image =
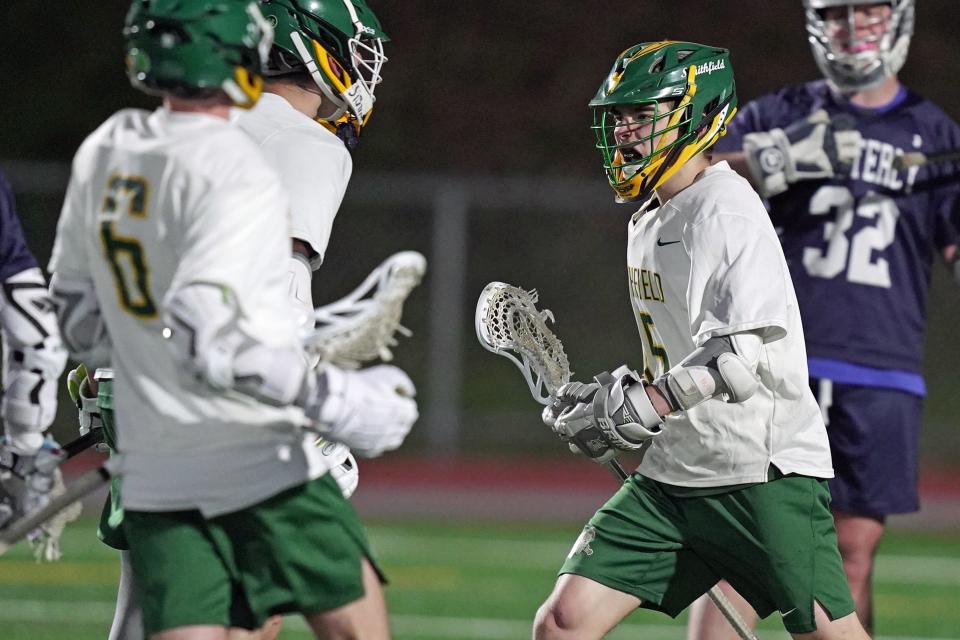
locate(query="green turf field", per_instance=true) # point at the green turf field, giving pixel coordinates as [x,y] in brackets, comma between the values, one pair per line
[462,582]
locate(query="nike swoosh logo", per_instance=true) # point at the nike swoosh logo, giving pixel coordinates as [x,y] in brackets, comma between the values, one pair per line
[788,612]
[661,243]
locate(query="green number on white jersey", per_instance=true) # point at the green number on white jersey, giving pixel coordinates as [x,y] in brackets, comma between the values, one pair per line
[125,254]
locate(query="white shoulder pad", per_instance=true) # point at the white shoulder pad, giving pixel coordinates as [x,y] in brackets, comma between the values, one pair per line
[81,324]
[27,313]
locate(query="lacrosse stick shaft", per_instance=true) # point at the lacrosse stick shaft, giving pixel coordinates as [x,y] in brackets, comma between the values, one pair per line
[916,158]
[83,486]
[84,442]
[78,446]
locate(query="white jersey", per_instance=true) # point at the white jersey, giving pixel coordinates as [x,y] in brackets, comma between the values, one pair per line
[156,201]
[313,164]
[708,263]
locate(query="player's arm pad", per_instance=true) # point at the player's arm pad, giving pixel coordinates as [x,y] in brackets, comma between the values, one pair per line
[81,324]
[725,366]
[202,325]
[33,359]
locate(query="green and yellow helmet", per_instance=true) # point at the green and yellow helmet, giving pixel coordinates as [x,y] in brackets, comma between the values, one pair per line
[191,49]
[697,79]
[340,44]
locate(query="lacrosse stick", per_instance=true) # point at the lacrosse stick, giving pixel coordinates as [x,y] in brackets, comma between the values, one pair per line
[360,327]
[89,439]
[349,332]
[917,158]
[510,325]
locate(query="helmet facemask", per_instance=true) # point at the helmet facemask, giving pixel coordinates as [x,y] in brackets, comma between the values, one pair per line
[636,178]
[629,171]
[851,62]
[349,85]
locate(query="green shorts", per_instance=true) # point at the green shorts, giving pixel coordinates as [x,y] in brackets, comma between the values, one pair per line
[110,530]
[299,551]
[774,542]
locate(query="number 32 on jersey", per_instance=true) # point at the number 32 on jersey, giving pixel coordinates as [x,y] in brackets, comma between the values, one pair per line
[127,195]
[855,254]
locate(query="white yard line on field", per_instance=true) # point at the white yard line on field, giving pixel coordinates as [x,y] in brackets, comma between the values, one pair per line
[403,548]
[93,612]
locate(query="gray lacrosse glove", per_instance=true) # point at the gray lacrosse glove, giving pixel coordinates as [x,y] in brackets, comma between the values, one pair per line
[27,480]
[809,149]
[618,417]
[568,395]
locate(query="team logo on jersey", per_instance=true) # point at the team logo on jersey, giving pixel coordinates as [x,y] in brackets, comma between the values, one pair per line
[709,67]
[771,160]
[327,448]
[582,545]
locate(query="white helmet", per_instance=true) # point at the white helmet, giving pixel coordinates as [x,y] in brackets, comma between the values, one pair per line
[851,63]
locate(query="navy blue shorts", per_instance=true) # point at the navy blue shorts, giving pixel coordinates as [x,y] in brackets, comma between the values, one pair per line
[874,436]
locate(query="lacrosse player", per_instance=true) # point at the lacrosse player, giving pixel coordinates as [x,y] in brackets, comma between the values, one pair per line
[304,122]
[321,76]
[860,237]
[33,359]
[732,483]
[170,264]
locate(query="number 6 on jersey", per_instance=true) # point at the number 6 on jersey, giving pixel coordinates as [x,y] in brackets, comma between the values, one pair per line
[125,253]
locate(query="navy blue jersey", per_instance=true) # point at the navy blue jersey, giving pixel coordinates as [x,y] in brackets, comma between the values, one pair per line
[860,249]
[14,254]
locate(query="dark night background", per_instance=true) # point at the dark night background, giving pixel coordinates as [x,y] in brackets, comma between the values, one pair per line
[477,88]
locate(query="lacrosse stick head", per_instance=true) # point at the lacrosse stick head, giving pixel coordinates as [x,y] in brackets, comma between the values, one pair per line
[509,324]
[362,326]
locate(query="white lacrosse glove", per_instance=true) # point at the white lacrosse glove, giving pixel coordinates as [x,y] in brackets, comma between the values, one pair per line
[616,414]
[370,410]
[45,540]
[809,149]
[343,467]
[28,481]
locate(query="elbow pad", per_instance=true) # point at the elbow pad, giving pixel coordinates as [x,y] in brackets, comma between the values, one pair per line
[33,358]
[725,366]
[300,293]
[202,325]
[301,299]
[81,325]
